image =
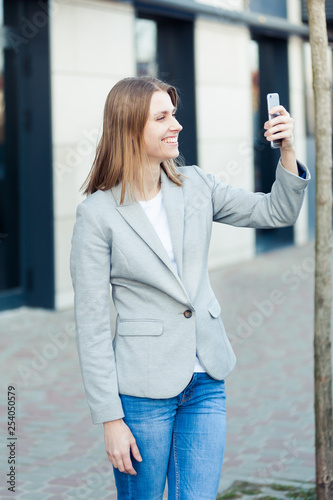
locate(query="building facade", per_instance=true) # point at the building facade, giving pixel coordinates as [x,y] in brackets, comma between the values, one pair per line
[60,58]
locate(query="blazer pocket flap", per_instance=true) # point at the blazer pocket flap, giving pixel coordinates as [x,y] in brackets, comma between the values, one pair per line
[140,328]
[214,308]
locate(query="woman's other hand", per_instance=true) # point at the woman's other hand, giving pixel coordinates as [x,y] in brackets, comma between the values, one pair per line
[119,443]
[280,127]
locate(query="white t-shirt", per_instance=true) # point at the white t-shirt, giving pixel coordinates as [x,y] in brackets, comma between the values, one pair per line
[156,213]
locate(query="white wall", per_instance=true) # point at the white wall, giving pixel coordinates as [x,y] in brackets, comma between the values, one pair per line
[224,123]
[92,47]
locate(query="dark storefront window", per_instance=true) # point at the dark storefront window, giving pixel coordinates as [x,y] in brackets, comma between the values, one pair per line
[10,265]
[269,70]
[26,192]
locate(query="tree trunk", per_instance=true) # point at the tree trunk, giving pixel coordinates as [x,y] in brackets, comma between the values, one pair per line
[323,298]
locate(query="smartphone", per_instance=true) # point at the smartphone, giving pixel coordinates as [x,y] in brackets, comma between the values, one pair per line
[273,100]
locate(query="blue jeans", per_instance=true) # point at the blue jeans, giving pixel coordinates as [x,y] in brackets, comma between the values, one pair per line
[181,439]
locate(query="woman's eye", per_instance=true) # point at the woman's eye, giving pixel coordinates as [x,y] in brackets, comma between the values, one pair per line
[160,118]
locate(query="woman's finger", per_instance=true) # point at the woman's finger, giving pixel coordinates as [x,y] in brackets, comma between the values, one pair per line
[278,128]
[123,464]
[120,465]
[128,467]
[135,451]
[278,109]
[279,135]
[277,120]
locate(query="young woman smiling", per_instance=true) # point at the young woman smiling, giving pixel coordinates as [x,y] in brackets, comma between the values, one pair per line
[157,384]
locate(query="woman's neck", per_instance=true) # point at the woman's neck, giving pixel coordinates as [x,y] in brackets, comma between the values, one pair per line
[152,184]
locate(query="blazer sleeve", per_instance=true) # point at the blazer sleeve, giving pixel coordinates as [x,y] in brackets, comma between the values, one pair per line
[279,208]
[90,272]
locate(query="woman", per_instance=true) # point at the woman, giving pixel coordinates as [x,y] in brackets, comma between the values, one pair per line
[158,387]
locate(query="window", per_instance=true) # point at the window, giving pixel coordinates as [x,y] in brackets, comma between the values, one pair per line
[146,47]
[272,7]
[165,49]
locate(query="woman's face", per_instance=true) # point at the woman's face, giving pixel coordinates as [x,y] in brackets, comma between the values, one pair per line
[161,130]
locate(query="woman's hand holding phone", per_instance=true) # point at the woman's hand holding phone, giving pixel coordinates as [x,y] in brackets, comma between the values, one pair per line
[280,125]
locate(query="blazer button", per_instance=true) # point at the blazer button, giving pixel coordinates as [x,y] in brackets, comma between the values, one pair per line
[188,313]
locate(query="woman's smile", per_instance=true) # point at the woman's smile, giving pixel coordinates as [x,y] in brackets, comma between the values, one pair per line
[171,140]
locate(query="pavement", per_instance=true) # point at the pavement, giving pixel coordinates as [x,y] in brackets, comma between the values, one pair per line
[267,308]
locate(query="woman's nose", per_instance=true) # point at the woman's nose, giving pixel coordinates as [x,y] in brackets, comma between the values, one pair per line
[176,125]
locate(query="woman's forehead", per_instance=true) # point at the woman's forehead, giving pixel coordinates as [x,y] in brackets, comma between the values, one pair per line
[160,102]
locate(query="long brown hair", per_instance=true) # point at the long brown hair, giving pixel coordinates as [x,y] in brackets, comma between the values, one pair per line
[120,154]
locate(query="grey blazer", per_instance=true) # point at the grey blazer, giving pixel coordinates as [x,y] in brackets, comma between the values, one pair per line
[163,319]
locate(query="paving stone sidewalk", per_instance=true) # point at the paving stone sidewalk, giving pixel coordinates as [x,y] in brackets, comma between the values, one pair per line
[267,308]
[275,491]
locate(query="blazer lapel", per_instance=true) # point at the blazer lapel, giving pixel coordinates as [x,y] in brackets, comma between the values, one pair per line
[174,205]
[136,217]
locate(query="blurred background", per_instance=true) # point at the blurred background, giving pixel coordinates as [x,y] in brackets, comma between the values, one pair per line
[58,61]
